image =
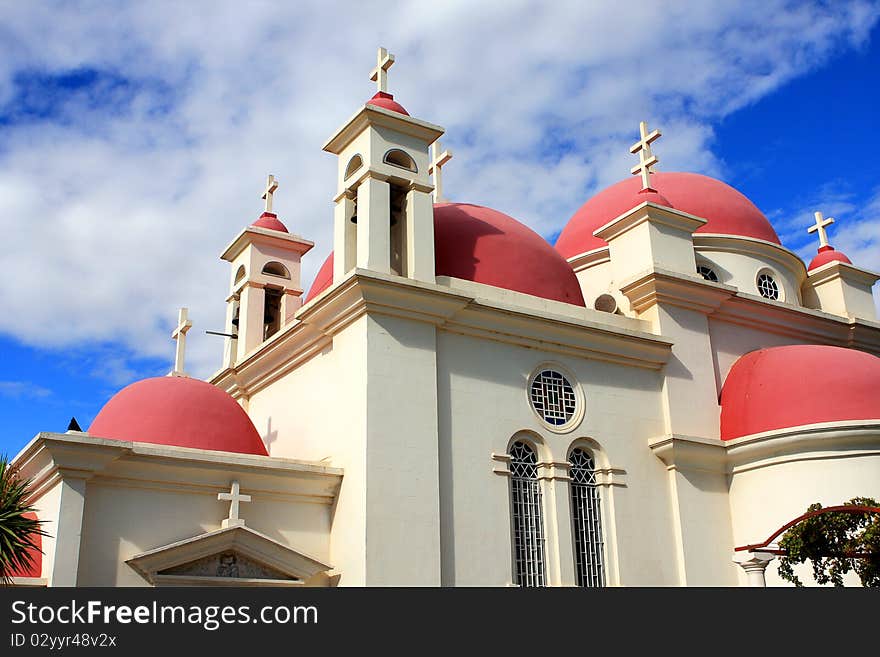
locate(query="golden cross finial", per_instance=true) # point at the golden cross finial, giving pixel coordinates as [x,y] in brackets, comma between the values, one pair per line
[379,75]
[271,186]
[179,335]
[438,159]
[820,225]
[647,159]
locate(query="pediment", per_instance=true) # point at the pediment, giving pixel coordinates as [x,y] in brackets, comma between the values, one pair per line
[232,556]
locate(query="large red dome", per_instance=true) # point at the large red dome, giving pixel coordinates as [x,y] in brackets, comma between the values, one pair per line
[726,210]
[180,411]
[795,385]
[479,244]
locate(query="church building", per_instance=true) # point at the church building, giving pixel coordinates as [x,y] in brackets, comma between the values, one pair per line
[454,401]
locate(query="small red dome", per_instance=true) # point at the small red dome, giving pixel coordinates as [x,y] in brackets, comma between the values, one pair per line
[726,210]
[270,220]
[180,411]
[827,254]
[386,101]
[35,569]
[479,244]
[795,385]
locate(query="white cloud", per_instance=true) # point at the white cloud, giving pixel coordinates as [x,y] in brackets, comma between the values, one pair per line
[116,208]
[23,390]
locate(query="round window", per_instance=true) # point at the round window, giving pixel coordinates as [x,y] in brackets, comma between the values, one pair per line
[767,286]
[553,398]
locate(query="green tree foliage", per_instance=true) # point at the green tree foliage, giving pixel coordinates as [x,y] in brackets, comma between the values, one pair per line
[18,533]
[829,540]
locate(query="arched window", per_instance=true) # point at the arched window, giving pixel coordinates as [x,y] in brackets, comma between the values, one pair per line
[528,524]
[354,164]
[399,158]
[276,269]
[239,275]
[586,519]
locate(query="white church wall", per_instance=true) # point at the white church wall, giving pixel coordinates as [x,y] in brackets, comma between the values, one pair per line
[48,505]
[732,341]
[122,520]
[764,498]
[484,403]
[317,412]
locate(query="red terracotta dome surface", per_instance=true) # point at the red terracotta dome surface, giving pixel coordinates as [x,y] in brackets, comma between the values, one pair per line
[479,244]
[35,569]
[795,385]
[827,254]
[726,210]
[386,101]
[180,411]
[270,220]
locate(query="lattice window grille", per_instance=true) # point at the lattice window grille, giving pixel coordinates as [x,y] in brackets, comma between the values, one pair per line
[528,525]
[708,273]
[553,397]
[586,520]
[767,287]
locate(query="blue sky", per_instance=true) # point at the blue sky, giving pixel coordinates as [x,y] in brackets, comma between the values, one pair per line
[135,141]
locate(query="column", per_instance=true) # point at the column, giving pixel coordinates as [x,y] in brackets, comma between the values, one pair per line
[420,236]
[344,236]
[754,563]
[68,532]
[250,318]
[374,226]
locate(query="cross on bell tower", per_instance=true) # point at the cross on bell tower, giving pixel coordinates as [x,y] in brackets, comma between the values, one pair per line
[819,226]
[179,336]
[384,61]
[438,159]
[647,159]
[268,195]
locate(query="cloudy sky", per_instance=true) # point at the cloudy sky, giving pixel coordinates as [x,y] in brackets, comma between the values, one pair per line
[135,139]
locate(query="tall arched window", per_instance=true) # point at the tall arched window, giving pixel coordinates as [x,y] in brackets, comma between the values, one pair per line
[528,524]
[586,519]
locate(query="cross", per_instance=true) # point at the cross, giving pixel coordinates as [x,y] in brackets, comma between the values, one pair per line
[179,335]
[234,497]
[820,226]
[379,75]
[271,186]
[646,158]
[438,159]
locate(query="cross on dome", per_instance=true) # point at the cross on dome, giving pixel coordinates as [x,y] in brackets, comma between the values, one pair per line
[820,226]
[179,335]
[271,186]
[647,159]
[438,159]
[234,497]
[379,75]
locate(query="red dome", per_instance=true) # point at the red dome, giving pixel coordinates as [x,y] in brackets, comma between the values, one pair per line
[790,386]
[726,210]
[270,220]
[486,246]
[35,569]
[386,101]
[178,410]
[827,254]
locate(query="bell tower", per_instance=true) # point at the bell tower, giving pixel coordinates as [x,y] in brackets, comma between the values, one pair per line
[384,214]
[264,288]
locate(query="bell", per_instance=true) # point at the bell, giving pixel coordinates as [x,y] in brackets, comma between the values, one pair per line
[235,318]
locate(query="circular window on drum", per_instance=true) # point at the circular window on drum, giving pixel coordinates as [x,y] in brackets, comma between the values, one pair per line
[555,400]
[767,286]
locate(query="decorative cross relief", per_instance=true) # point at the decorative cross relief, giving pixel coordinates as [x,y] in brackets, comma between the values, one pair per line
[179,335]
[271,186]
[234,497]
[379,75]
[820,226]
[438,159]
[647,159]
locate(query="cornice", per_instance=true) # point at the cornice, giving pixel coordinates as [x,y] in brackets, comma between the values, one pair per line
[379,116]
[681,290]
[841,439]
[590,258]
[258,235]
[364,292]
[648,211]
[836,269]
[51,457]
